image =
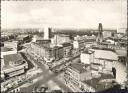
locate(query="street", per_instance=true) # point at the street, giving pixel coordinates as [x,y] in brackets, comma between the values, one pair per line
[47,75]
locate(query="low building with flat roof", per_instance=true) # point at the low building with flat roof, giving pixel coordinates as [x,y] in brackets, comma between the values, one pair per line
[14,64]
[107,59]
[7,51]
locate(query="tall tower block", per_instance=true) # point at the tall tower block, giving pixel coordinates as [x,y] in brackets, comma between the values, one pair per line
[99,38]
[47,33]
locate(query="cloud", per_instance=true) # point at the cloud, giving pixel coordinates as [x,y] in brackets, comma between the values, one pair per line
[40,13]
[86,15]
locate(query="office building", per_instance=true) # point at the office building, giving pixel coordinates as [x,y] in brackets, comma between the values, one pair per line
[47,33]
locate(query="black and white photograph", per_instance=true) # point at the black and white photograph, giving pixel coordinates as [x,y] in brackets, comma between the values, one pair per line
[61,46]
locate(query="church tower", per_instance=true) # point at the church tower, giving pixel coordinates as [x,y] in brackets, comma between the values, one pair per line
[99,38]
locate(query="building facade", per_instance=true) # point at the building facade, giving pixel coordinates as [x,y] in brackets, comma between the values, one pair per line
[76,73]
[106,58]
[80,77]
[87,57]
[47,52]
[67,49]
[47,33]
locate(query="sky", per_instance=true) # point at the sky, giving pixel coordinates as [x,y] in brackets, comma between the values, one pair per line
[67,14]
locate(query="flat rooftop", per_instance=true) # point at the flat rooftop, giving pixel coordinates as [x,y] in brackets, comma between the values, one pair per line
[104,54]
[80,67]
[15,59]
[99,84]
[5,49]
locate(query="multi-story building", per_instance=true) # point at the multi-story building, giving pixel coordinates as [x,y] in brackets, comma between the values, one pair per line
[59,39]
[59,53]
[67,48]
[84,41]
[76,73]
[79,78]
[53,53]
[92,70]
[79,44]
[46,51]
[87,57]
[105,58]
[47,33]
[14,64]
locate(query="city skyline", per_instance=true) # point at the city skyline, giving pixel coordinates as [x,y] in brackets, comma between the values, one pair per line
[64,14]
